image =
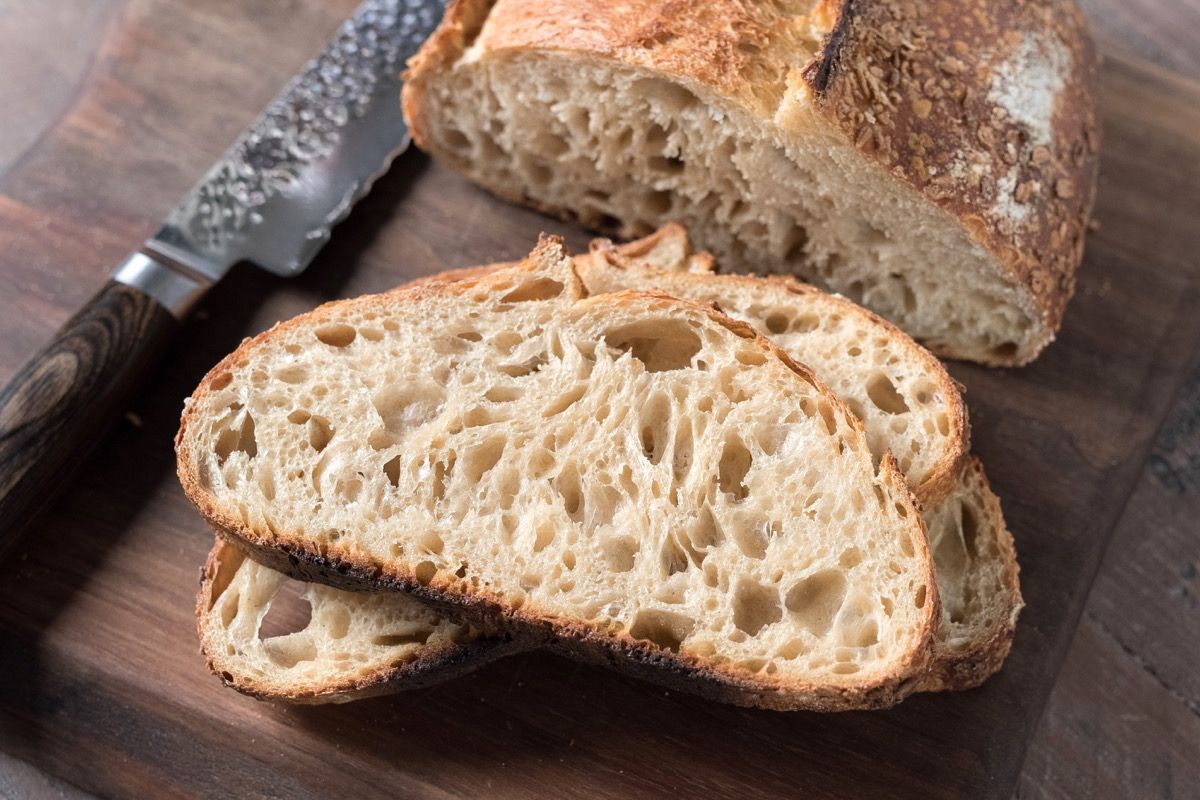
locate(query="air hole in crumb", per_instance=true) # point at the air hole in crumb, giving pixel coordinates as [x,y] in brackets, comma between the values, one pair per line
[336,334]
[502,394]
[407,406]
[620,553]
[755,606]
[543,535]
[806,323]
[751,358]
[288,612]
[666,165]
[566,400]
[229,608]
[430,542]
[392,470]
[266,484]
[660,345]
[1005,351]
[528,367]
[221,381]
[237,438]
[777,323]
[826,411]
[480,459]
[537,289]
[792,649]
[865,635]
[550,144]
[319,433]
[751,539]
[673,558]
[663,628]
[298,417]
[883,394]
[815,600]
[456,139]
[970,530]
[293,374]
[336,620]
[919,600]
[731,472]
[655,421]
[569,488]
[424,572]
[657,203]
[400,639]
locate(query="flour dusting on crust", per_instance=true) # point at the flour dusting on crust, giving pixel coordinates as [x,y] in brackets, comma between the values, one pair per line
[1027,84]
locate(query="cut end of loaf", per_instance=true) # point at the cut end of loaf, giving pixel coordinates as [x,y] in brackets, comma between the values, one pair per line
[711,122]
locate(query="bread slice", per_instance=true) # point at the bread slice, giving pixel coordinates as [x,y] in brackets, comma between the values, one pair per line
[977,577]
[353,644]
[364,644]
[935,163]
[631,478]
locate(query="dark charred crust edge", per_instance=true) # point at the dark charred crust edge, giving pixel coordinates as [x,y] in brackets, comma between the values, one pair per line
[820,72]
[577,641]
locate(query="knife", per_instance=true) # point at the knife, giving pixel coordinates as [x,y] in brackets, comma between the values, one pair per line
[272,199]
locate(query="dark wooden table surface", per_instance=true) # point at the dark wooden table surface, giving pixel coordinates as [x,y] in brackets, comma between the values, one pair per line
[109,109]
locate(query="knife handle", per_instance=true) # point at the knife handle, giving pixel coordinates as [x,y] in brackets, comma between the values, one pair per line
[62,402]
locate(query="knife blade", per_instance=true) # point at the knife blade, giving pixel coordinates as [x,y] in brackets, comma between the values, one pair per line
[271,199]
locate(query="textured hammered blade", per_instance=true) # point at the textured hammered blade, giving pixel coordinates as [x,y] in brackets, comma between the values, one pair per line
[315,150]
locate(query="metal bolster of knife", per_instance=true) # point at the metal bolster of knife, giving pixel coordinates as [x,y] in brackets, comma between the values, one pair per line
[175,287]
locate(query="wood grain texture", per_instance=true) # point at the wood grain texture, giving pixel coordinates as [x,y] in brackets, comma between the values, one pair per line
[1124,718]
[106,685]
[67,396]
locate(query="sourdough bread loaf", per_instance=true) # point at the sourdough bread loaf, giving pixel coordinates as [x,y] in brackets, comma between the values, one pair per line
[934,162]
[631,478]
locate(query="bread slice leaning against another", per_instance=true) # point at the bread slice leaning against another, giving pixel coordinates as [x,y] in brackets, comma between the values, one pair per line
[935,162]
[633,479]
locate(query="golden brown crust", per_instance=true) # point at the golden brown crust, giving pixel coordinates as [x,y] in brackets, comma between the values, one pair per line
[943,96]
[431,664]
[494,614]
[933,93]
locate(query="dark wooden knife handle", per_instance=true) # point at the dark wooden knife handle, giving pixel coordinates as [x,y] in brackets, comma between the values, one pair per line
[63,401]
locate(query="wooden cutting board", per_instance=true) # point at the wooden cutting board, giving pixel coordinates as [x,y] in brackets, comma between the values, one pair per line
[104,689]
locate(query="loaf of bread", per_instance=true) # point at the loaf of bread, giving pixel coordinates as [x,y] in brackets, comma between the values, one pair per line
[934,162]
[359,651]
[630,478]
